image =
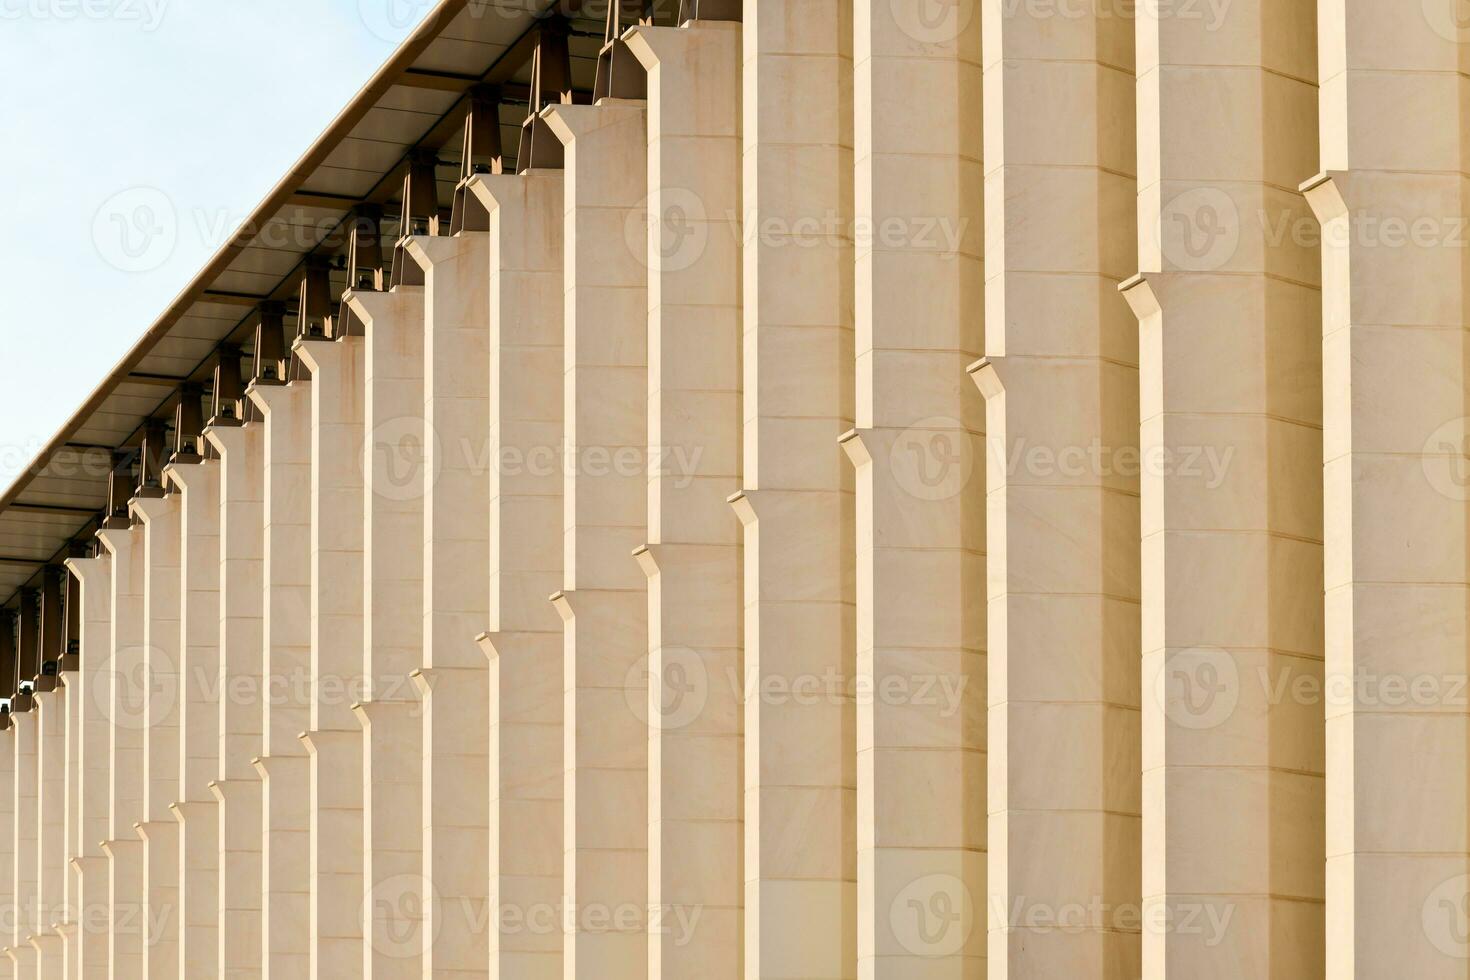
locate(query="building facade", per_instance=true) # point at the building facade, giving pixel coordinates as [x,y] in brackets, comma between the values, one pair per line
[879,489]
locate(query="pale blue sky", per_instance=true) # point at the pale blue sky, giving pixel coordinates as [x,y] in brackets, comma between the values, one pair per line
[207,101]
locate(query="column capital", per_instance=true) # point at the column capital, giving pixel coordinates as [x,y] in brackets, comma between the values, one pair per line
[118,541]
[569,122]
[323,354]
[370,307]
[89,571]
[428,251]
[150,509]
[269,397]
[187,475]
[227,437]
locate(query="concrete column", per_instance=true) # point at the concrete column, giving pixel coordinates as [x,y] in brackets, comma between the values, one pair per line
[9,907]
[126,706]
[197,811]
[693,553]
[286,682]
[397,898]
[920,505]
[51,824]
[71,848]
[604,598]
[335,739]
[241,631]
[796,504]
[1232,776]
[25,843]
[456,549]
[523,641]
[25,728]
[91,682]
[1061,387]
[1392,201]
[159,694]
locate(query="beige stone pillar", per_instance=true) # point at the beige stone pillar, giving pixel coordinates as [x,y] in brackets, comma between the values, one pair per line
[197,810]
[126,706]
[454,475]
[396,900]
[796,504]
[335,739]
[50,823]
[920,505]
[25,844]
[1392,200]
[1232,773]
[603,601]
[71,847]
[523,641]
[286,681]
[1061,389]
[9,908]
[237,789]
[693,553]
[158,692]
[89,867]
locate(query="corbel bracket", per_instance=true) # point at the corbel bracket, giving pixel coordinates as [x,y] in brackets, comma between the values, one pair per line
[551,82]
[482,154]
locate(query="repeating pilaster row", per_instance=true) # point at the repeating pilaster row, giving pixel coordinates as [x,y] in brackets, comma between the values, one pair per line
[367,539]
[603,602]
[1060,379]
[1395,377]
[796,504]
[1232,550]
[523,641]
